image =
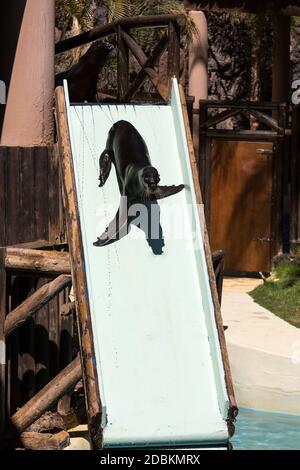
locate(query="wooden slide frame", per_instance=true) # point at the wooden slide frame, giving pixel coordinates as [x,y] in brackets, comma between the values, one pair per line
[89,371]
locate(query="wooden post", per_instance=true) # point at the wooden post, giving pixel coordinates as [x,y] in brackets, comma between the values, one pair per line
[281,58]
[123,66]
[90,378]
[202,117]
[47,397]
[174,50]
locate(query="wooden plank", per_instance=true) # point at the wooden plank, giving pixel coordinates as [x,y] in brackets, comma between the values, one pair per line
[93,401]
[35,302]
[27,356]
[47,397]
[123,66]
[26,361]
[54,333]
[3,157]
[54,188]
[41,205]
[13,216]
[151,62]
[14,369]
[27,194]
[41,351]
[148,21]
[66,334]
[37,261]
[219,323]
[3,306]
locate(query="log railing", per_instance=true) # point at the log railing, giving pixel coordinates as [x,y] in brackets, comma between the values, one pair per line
[40,263]
[126,44]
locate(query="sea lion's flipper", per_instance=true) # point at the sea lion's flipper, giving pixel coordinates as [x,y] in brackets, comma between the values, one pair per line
[117,228]
[104,166]
[164,191]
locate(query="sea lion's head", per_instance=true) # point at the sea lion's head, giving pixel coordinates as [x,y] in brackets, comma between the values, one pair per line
[150,177]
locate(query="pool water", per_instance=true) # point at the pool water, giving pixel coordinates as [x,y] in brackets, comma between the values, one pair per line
[263,430]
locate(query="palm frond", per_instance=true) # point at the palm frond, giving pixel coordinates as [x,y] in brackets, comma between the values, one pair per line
[117,9]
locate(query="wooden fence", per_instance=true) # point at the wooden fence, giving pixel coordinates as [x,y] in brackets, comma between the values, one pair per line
[30,207]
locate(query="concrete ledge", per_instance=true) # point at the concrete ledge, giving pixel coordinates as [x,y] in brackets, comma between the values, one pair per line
[264,353]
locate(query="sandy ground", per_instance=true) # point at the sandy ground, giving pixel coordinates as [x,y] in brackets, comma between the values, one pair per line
[240,284]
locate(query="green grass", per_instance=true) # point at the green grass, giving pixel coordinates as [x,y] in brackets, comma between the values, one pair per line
[281,297]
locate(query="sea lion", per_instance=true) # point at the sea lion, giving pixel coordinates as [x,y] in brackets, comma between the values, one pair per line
[138,180]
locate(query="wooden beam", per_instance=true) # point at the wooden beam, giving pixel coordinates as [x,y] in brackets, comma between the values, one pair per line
[47,397]
[35,302]
[174,50]
[214,120]
[218,318]
[123,65]
[37,261]
[141,57]
[242,105]
[111,28]
[151,61]
[267,120]
[90,377]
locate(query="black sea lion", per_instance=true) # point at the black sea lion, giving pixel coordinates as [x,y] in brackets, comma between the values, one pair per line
[138,180]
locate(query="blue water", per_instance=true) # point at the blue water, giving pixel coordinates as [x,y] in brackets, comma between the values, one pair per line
[263,430]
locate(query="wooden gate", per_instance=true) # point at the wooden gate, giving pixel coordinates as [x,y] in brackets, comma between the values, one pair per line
[240,218]
[242,176]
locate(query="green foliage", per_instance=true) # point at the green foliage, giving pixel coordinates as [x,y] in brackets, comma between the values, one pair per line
[82,10]
[288,272]
[282,296]
[283,301]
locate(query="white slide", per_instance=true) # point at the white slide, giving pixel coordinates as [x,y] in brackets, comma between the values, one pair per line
[160,370]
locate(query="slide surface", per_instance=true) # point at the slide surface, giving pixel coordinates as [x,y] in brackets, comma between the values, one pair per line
[160,371]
